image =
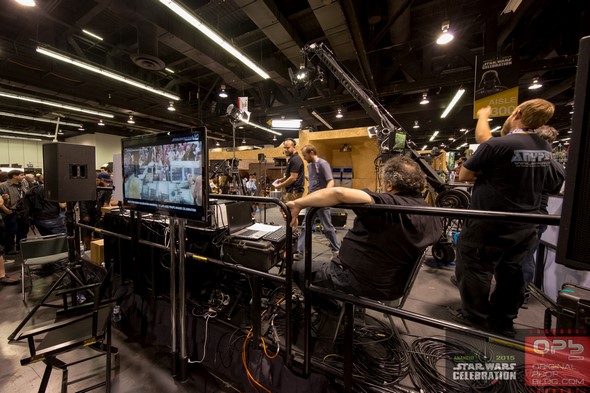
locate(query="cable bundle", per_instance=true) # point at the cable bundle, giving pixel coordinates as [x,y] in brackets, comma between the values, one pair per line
[425,360]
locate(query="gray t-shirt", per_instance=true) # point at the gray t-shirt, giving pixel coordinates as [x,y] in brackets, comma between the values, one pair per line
[319,173]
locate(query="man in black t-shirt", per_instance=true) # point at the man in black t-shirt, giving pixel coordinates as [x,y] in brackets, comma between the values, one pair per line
[294,178]
[510,174]
[377,254]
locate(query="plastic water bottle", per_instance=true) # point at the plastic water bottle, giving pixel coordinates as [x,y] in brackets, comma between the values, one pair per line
[452,177]
[116,313]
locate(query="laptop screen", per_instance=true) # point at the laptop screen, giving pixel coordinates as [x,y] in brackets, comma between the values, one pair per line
[239,215]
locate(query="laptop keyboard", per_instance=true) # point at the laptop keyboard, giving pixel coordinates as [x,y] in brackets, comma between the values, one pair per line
[276,236]
[248,232]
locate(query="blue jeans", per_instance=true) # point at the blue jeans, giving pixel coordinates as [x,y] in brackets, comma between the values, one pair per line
[329,231]
[52,226]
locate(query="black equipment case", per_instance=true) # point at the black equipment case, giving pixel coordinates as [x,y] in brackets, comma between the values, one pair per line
[574,307]
[255,254]
[339,217]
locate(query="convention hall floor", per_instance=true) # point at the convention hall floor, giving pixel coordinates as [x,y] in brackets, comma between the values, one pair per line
[146,369]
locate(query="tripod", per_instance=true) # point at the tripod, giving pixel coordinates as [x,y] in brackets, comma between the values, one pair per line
[72,265]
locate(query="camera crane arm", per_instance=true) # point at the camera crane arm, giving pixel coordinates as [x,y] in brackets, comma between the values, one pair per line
[388,125]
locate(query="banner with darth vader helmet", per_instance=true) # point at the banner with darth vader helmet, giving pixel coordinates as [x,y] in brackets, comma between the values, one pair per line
[496,84]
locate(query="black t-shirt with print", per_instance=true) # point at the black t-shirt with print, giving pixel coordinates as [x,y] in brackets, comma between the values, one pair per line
[381,247]
[512,172]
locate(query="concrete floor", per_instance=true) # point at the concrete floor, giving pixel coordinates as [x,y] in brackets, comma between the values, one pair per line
[146,369]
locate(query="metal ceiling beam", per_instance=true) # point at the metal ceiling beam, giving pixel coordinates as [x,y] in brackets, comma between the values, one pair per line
[333,22]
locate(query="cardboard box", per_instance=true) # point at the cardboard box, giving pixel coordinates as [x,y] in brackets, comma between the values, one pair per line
[97,251]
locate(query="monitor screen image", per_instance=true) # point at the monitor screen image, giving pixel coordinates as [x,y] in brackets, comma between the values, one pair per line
[163,173]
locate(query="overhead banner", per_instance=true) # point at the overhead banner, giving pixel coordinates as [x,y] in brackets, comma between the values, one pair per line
[496,84]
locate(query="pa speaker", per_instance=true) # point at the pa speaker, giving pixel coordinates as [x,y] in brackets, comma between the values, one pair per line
[573,247]
[69,172]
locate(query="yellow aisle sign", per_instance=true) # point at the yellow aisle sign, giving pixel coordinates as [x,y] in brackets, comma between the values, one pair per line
[502,103]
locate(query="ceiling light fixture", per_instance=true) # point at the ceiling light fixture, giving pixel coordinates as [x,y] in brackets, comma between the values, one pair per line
[434,134]
[100,123]
[286,124]
[39,119]
[453,102]
[54,104]
[194,21]
[130,120]
[244,116]
[416,124]
[424,147]
[446,36]
[22,138]
[497,128]
[105,72]
[244,141]
[302,73]
[321,119]
[536,84]
[27,3]
[452,139]
[169,70]
[81,129]
[91,34]
[217,144]
[274,138]
[424,99]
[25,133]
[222,92]
[339,114]
[171,107]
[465,144]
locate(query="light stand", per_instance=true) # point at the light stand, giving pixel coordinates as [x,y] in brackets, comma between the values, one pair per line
[262,159]
[73,258]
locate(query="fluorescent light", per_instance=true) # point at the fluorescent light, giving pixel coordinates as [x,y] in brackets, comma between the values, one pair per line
[215,138]
[190,18]
[497,128]
[39,119]
[105,72]
[321,119]
[452,139]
[291,124]
[25,133]
[452,103]
[91,34]
[28,3]
[465,144]
[433,136]
[424,147]
[22,138]
[169,70]
[54,104]
[511,6]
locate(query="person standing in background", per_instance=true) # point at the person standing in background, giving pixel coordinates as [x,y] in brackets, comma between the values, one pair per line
[12,194]
[294,178]
[319,173]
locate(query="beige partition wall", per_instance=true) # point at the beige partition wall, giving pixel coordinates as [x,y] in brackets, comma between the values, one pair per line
[359,154]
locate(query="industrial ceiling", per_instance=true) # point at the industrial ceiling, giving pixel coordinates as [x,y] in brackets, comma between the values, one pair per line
[389,46]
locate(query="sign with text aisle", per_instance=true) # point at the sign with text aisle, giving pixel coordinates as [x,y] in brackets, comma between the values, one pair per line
[496,84]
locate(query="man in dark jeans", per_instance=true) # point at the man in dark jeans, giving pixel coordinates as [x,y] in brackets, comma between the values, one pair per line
[378,253]
[12,193]
[510,174]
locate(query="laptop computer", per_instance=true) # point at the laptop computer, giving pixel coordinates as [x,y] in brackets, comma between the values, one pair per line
[240,225]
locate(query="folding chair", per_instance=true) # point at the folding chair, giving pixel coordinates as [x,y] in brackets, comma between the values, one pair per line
[41,251]
[87,325]
[396,303]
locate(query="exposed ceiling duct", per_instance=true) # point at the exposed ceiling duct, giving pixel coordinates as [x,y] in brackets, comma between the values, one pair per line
[147,47]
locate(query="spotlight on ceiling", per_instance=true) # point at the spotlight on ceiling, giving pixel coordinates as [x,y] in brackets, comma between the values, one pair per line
[27,3]
[171,107]
[100,123]
[130,120]
[302,73]
[274,138]
[217,144]
[446,36]
[339,115]
[244,141]
[536,84]
[222,92]
[424,99]
[416,124]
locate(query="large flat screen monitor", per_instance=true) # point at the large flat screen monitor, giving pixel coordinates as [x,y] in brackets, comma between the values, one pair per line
[166,174]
